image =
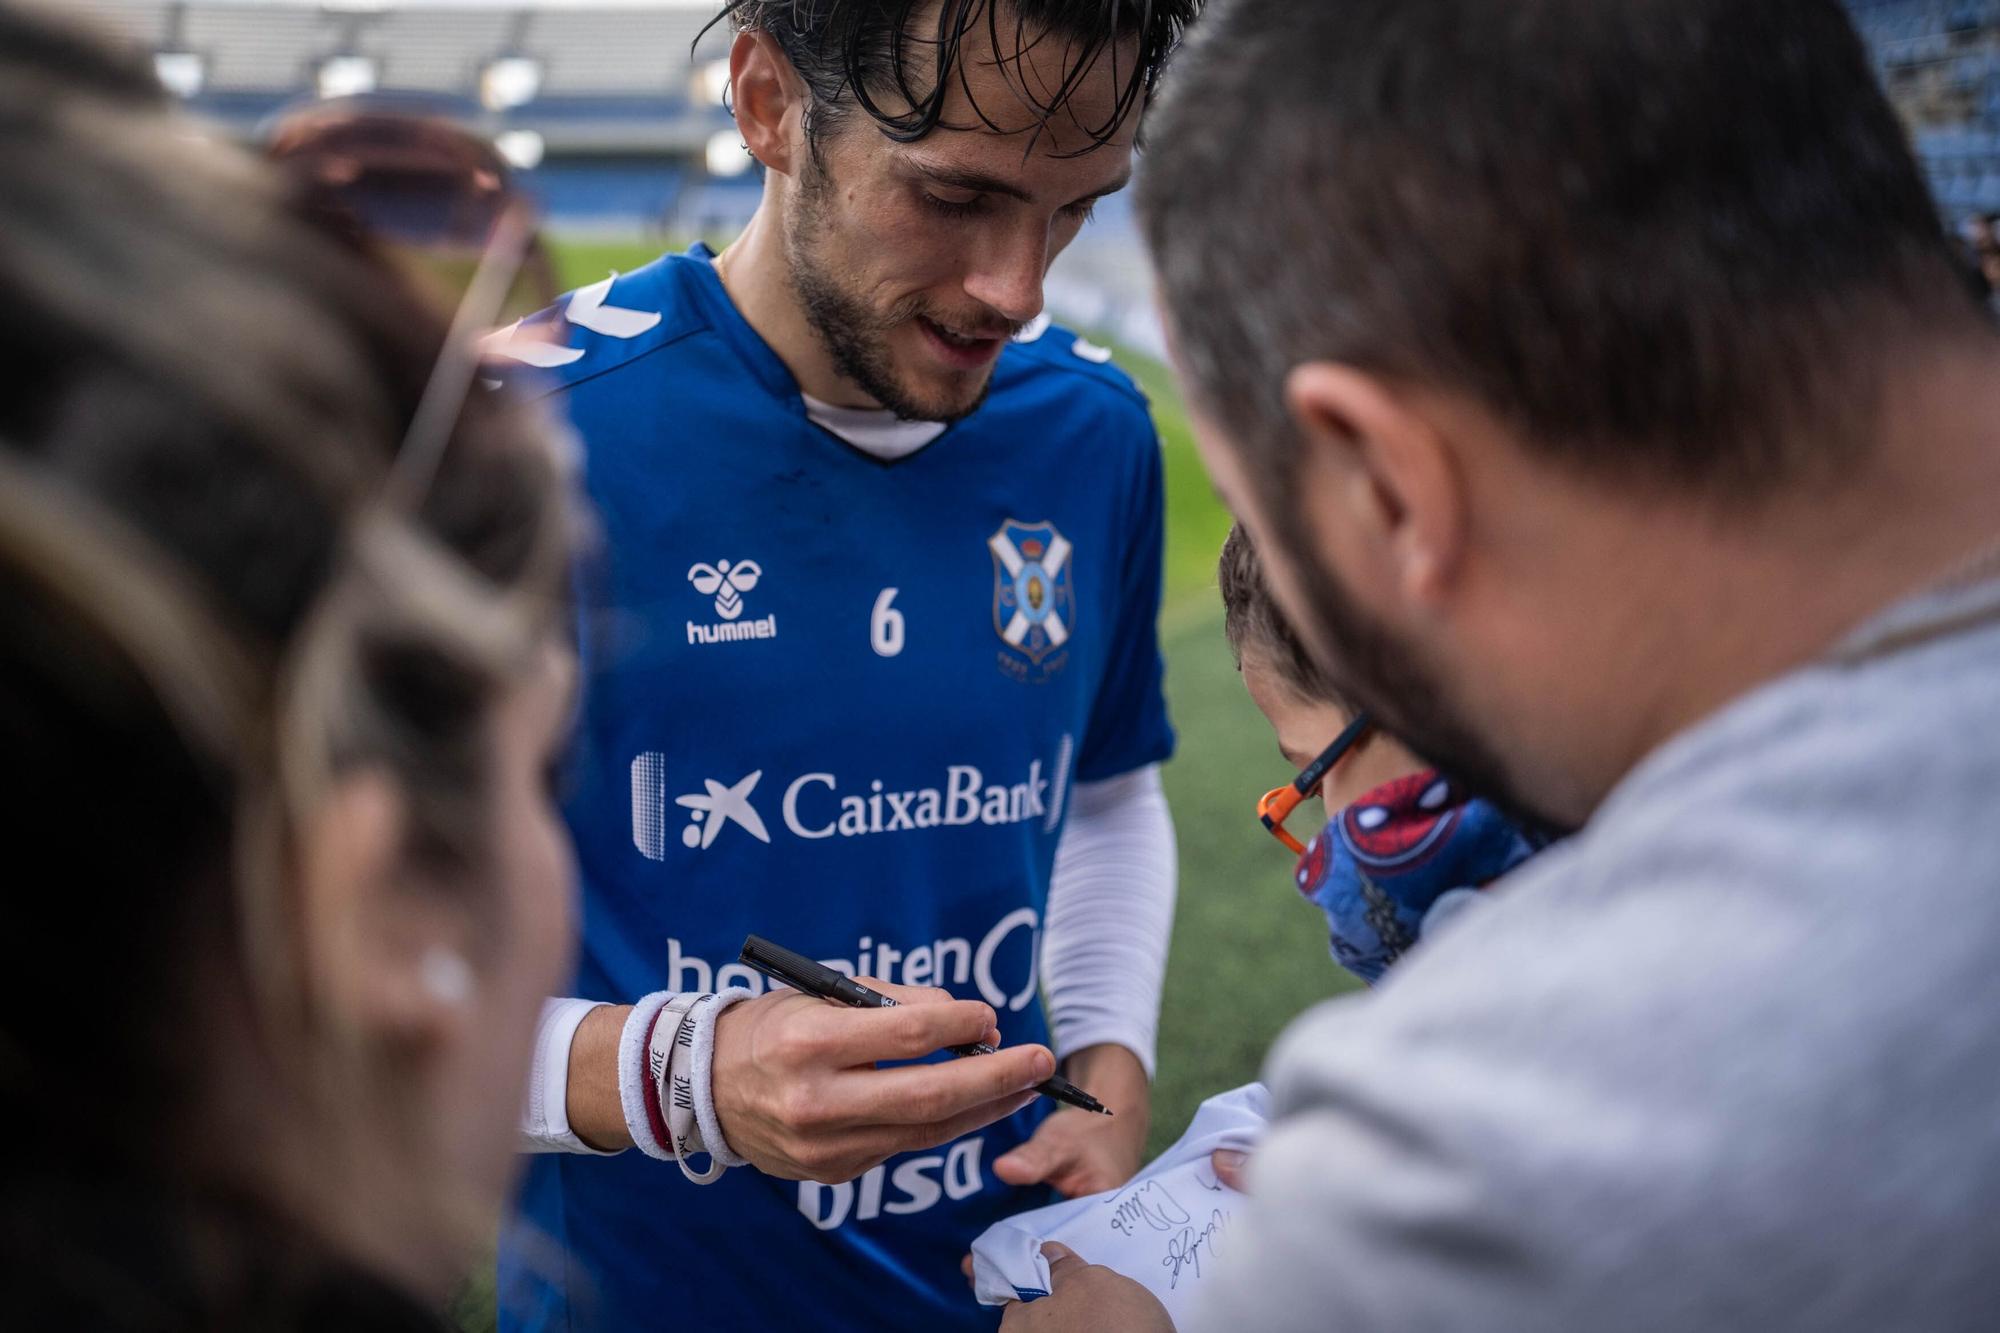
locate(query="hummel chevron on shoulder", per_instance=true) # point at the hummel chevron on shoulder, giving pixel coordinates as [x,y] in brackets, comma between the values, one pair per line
[587,310]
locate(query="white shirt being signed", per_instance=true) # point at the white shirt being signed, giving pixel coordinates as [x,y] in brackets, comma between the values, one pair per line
[1167,1228]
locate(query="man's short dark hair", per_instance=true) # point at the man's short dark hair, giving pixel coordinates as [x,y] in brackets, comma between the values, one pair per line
[1252,620]
[1665,240]
[870,53]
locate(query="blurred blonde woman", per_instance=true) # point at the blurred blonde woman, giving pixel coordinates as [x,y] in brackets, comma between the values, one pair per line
[284,885]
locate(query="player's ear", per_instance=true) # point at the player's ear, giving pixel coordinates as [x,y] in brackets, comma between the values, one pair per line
[769,100]
[1380,481]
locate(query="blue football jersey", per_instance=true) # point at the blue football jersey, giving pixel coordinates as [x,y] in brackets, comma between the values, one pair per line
[841,703]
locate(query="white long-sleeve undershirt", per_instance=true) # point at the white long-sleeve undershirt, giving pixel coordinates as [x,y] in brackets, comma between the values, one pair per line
[1110,916]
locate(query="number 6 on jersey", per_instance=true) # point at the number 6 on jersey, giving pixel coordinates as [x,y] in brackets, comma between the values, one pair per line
[885,625]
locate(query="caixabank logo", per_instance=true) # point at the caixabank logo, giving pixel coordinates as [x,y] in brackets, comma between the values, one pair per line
[819,805]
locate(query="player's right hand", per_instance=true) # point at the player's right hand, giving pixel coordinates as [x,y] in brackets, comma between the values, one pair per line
[797,1091]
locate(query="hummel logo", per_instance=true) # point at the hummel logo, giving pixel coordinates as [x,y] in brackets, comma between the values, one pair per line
[722,805]
[726,582]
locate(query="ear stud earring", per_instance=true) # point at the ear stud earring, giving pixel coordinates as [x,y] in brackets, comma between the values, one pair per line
[447,976]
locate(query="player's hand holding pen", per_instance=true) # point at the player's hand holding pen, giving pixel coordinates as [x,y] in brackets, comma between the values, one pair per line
[797,1091]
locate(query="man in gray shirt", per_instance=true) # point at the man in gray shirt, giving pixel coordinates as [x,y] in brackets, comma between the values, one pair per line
[1598,383]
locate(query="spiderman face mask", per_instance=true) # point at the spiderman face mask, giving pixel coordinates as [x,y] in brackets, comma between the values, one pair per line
[1385,863]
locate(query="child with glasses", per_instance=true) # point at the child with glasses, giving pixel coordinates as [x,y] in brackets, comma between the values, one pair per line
[1403,845]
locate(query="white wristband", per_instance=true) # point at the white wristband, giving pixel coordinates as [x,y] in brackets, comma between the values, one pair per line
[634,1074]
[666,1057]
[545,1123]
[670,1103]
[687,1089]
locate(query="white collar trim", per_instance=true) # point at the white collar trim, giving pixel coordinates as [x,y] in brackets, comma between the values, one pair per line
[875,431]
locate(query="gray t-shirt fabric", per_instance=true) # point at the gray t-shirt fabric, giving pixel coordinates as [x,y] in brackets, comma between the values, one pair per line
[1729,1058]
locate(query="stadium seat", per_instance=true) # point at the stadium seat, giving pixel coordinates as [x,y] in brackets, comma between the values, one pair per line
[616,100]
[434,50]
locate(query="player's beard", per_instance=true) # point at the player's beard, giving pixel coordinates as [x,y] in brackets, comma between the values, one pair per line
[1406,697]
[855,336]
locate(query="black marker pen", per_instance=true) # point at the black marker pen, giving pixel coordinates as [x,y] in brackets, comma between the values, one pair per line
[802,973]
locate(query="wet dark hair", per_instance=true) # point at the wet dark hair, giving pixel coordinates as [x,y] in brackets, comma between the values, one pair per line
[1251,619]
[852,52]
[1666,240]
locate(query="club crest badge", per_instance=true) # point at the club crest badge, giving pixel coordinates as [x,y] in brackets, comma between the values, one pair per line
[1034,605]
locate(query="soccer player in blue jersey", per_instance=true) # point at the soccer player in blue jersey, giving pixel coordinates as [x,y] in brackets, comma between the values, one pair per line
[871,669]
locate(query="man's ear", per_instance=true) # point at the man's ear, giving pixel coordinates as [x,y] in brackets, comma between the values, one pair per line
[769,100]
[374,942]
[1387,466]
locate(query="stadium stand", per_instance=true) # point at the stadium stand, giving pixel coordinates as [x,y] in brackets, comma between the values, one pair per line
[610,194]
[607,91]
[141,23]
[1940,61]
[617,52]
[610,89]
[433,50]
[256,50]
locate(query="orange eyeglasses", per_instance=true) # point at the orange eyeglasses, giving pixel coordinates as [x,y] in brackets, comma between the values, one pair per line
[1278,803]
